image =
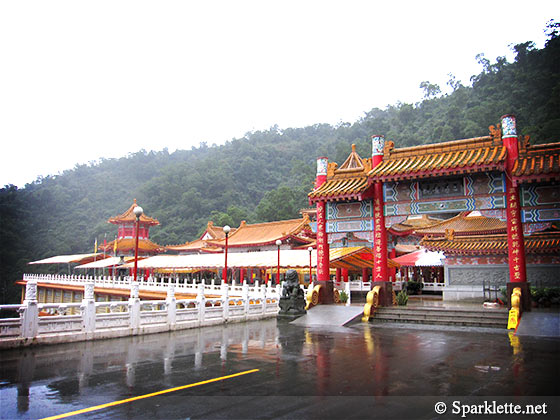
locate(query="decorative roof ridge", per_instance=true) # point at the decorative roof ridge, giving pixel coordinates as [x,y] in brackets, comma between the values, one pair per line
[495,236]
[353,163]
[538,148]
[448,146]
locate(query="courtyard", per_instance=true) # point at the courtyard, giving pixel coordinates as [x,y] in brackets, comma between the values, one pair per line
[275,369]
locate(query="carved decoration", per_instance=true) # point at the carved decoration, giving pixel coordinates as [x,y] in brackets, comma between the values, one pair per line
[89,291]
[31,291]
[496,132]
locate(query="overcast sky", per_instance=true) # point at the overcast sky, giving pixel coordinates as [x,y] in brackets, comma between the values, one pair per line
[84,80]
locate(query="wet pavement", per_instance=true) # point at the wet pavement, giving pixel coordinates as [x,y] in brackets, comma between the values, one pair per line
[357,371]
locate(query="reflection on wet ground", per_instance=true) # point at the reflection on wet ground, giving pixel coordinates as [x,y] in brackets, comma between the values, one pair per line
[302,363]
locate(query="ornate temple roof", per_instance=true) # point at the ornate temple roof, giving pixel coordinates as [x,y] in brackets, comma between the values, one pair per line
[129,216]
[344,183]
[127,245]
[259,234]
[412,223]
[491,244]
[466,223]
[212,232]
[478,154]
[537,163]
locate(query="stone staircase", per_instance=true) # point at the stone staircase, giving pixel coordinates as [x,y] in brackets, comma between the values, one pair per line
[452,316]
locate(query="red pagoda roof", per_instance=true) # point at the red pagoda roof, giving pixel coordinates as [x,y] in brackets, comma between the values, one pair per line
[129,216]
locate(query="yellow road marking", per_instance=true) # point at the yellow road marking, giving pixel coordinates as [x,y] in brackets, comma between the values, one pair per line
[153,394]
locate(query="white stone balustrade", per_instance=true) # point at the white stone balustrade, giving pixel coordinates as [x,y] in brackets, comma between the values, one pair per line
[153,284]
[88,320]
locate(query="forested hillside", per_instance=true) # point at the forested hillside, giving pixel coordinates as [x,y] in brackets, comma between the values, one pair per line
[265,175]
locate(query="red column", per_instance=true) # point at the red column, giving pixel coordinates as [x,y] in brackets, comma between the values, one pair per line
[241,275]
[516,246]
[365,275]
[338,275]
[379,231]
[345,275]
[323,273]
[393,271]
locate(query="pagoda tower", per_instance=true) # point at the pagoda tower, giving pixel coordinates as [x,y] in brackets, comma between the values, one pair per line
[125,241]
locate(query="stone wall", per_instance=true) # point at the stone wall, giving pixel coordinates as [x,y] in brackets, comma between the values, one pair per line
[466,282]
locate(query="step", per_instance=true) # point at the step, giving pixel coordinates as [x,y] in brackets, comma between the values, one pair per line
[458,323]
[479,317]
[442,313]
[446,320]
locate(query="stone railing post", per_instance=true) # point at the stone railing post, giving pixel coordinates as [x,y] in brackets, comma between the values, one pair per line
[347,290]
[134,306]
[225,301]
[30,311]
[201,302]
[263,297]
[245,297]
[171,304]
[88,308]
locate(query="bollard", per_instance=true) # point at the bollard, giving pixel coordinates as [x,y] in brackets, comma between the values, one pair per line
[88,308]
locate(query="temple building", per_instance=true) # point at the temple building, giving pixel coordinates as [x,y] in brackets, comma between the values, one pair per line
[124,244]
[512,185]
[293,234]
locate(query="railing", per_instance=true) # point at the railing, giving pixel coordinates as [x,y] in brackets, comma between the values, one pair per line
[398,285]
[156,284]
[86,320]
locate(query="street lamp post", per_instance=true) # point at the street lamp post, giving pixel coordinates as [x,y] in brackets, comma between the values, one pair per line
[137,212]
[227,229]
[310,272]
[278,243]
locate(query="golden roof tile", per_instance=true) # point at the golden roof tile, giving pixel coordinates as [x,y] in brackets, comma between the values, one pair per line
[347,182]
[468,223]
[454,157]
[265,233]
[491,244]
[537,163]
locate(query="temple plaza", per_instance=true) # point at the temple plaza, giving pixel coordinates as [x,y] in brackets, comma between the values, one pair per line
[285,371]
[426,278]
